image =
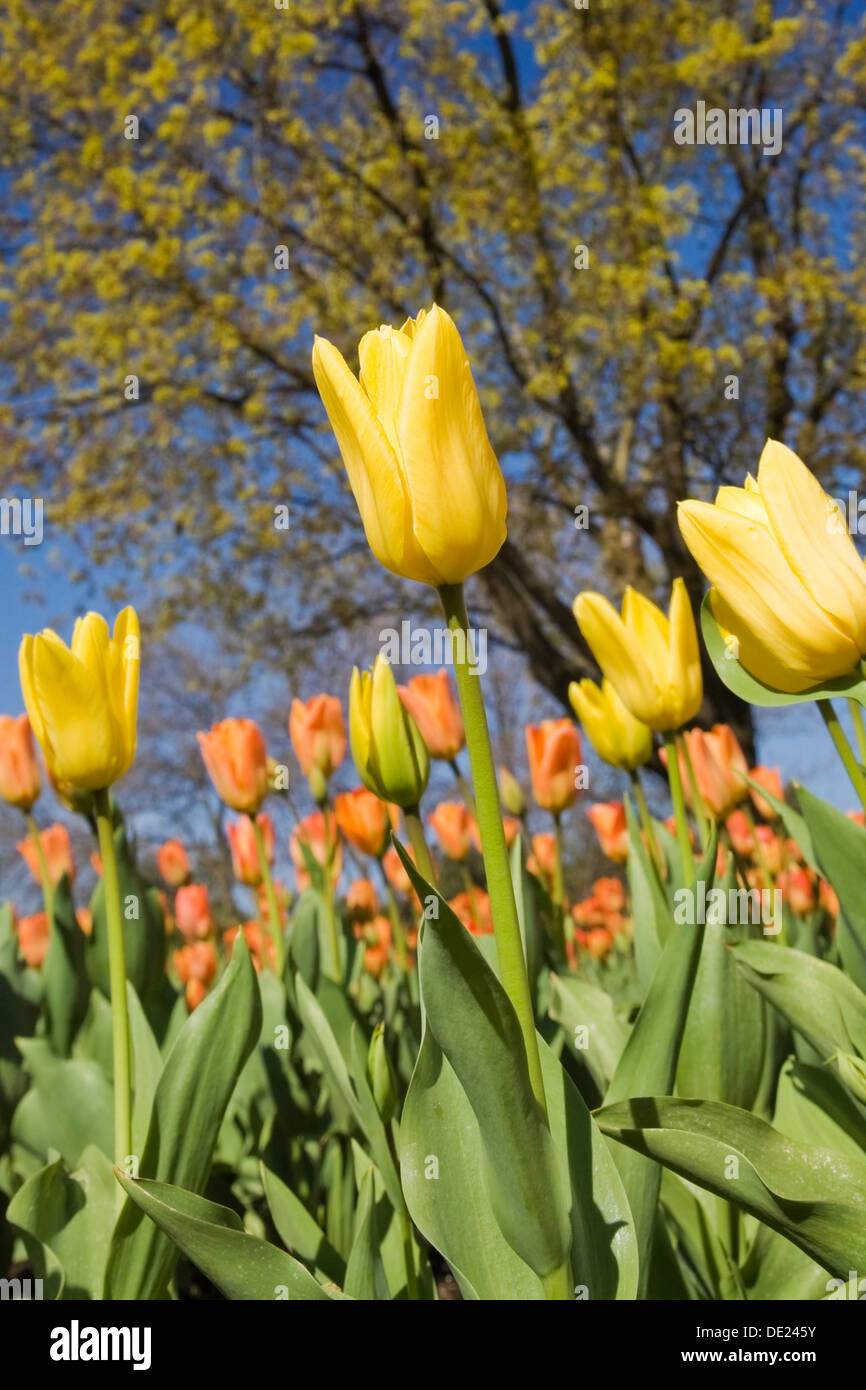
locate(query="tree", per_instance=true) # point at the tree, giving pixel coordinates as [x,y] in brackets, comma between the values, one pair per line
[195,189]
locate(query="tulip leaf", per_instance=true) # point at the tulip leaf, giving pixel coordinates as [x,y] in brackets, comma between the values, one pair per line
[321,1035]
[146,1065]
[71,1212]
[442,1171]
[69,1106]
[594,1034]
[649,1058]
[371,1121]
[724,1044]
[651,911]
[840,849]
[792,821]
[365,1273]
[814,1196]
[299,1232]
[524,898]
[755,692]
[241,1265]
[64,976]
[190,1100]
[816,998]
[692,1228]
[474,1023]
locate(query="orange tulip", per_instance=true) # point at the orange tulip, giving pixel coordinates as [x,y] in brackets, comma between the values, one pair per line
[473,910]
[542,860]
[259,945]
[397,875]
[58,854]
[554,757]
[325,850]
[365,820]
[797,889]
[235,757]
[740,832]
[362,900]
[20,782]
[609,893]
[452,824]
[318,734]
[196,961]
[597,942]
[34,934]
[716,758]
[609,823]
[172,863]
[772,849]
[431,703]
[828,898]
[769,779]
[84,918]
[192,911]
[245,854]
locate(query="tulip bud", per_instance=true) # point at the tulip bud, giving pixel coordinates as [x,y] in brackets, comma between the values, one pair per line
[380,1074]
[19,770]
[511,793]
[389,752]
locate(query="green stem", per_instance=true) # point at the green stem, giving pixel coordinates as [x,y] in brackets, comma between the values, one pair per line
[700,809]
[117,981]
[852,767]
[859,727]
[417,839]
[647,822]
[557,895]
[683,839]
[273,906]
[506,924]
[44,875]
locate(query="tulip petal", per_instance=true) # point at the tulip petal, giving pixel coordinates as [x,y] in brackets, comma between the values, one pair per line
[373,469]
[822,556]
[684,668]
[455,483]
[383,354]
[617,654]
[76,720]
[786,640]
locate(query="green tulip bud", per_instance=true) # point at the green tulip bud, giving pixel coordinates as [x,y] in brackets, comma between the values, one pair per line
[380,1073]
[389,752]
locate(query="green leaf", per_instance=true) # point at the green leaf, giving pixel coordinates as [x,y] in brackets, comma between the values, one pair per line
[365,1273]
[594,1034]
[840,850]
[442,1169]
[649,1059]
[242,1266]
[724,1043]
[146,1068]
[792,821]
[191,1097]
[524,897]
[815,1197]
[64,975]
[651,913]
[693,1233]
[475,1025]
[816,998]
[753,691]
[69,1106]
[300,1234]
[321,1035]
[72,1213]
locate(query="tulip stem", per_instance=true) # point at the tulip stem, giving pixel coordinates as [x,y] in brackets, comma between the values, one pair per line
[859,727]
[270,894]
[558,893]
[646,822]
[700,809]
[330,909]
[412,816]
[117,981]
[683,837]
[398,933]
[44,875]
[506,924]
[843,748]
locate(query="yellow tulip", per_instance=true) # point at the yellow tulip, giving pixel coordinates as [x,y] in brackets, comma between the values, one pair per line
[652,661]
[611,728]
[787,580]
[412,436]
[82,700]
